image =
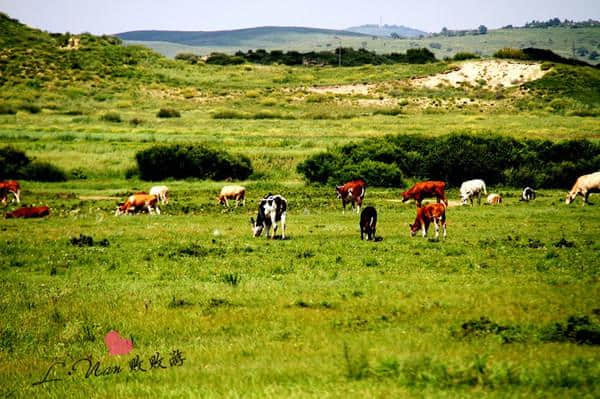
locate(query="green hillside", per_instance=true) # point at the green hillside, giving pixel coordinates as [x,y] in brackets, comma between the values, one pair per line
[579,43]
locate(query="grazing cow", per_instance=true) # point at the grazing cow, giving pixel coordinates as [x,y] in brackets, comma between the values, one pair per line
[138,202]
[271,209]
[34,212]
[435,213]
[238,193]
[352,192]
[368,223]
[472,188]
[494,199]
[528,194]
[426,189]
[584,186]
[161,193]
[10,187]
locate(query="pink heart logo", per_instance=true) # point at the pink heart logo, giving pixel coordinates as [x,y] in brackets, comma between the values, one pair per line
[116,344]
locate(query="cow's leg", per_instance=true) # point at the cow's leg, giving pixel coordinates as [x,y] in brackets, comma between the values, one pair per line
[585,196]
[437,228]
[157,209]
[479,198]
[283,226]
[444,226]
[226,202]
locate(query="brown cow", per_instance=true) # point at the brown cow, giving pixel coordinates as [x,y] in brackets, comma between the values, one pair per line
[34,212]
[138,202]
[426,189]
[10,187]
[435,213]
[352,192]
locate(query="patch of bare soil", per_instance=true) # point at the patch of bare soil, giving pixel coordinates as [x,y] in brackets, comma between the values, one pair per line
[489,73]
[342,89]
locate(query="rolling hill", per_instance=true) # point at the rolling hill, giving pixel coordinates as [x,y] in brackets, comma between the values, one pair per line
[387,30]
[237,37]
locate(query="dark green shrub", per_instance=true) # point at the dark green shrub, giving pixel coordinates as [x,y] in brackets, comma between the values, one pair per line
[168,113]
[111,117]
[136,121]
[188,57]
[464,56]
[511,53]
[43,171]
[455,158]
[182,161]
[224,59]
[11,162]
[31,108]
[7,109]
[419,56]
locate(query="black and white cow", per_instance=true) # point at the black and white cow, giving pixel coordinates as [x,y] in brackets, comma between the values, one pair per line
[368,223]
[528,194]
[271,209]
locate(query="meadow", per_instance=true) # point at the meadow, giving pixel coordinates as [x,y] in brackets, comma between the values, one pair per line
[506,305]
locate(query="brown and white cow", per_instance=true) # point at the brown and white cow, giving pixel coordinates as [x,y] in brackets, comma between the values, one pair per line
[426,189]
[10,187]
[138,202]
[33,212]
[352,192]
[584,186]
[494,199]
[237,193]
[435,213]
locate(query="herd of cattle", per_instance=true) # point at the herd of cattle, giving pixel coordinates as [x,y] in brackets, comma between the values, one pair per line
[272,208]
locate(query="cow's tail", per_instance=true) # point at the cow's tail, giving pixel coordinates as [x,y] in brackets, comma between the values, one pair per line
[484,190]
[362,192]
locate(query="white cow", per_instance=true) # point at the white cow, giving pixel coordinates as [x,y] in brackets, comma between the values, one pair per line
[162,193]
[238,193]
[472,188]
[584,186]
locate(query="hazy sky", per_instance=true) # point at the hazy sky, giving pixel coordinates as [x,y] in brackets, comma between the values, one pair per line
[114,16]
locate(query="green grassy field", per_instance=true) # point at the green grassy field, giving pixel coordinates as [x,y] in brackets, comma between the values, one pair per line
[506,306]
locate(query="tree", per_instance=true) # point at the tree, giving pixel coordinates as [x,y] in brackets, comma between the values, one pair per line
[394,35]
[482,29]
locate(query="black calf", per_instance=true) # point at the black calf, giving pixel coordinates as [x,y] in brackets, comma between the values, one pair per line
[368,222]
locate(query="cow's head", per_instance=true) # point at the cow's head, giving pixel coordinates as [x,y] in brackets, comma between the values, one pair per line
[405,196]
[256,229]
[121,209]
[8,215]
[464,198]
[570,197]
[413,229]
[339,191]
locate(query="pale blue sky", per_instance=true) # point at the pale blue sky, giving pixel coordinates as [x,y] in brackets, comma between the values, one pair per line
[114,16]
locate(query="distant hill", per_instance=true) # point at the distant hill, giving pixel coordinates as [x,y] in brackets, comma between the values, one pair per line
[387,30]
[237,37]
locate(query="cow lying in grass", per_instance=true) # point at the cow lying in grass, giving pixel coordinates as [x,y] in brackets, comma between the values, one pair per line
[584,186]
[138,202]
[33,212]
[271,210]
[368,223]
[494,199]
[237,193]
[435,213]
[426,189]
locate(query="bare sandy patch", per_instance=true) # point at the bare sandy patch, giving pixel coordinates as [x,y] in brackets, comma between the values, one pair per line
[491,73]
[342,89]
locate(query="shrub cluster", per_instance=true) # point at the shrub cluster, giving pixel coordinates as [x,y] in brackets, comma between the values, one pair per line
[188,57]
[182,161]
[461,56]
[455,158]
[14,164]
[349,57]
[168,113]
[537,54]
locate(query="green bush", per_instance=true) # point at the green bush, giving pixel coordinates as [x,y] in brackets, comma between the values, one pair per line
[464,56]
[111,117]
[455,158]
[168,113]
[188,57]
[11,162]
[182,161]
[43,171]
[511,53]
[224,59]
